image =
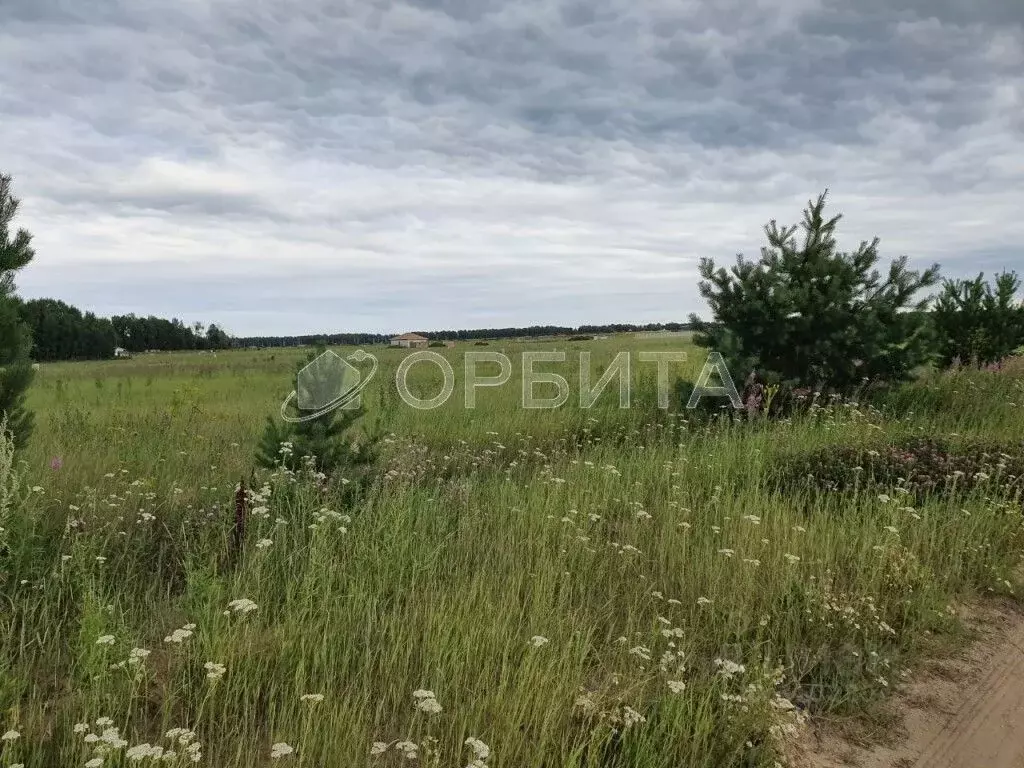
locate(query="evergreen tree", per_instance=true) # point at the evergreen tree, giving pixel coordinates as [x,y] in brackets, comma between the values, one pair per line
[327,440]
[976,323]
[15,339]
[807,314]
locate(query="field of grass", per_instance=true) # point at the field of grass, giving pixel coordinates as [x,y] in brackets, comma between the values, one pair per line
[529,588]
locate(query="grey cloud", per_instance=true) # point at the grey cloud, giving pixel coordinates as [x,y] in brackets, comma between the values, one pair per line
[524,154]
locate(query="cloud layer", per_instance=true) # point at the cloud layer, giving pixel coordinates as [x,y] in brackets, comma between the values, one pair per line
[361,165]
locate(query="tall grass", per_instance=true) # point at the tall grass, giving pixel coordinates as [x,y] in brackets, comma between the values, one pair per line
[626,592]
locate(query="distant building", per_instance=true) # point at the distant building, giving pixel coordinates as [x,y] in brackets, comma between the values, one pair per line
[121,352]
[408,340]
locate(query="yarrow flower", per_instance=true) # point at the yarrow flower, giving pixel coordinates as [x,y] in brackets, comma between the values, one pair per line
[11,735]
[378,748]
[426,702]
[538,640]
[242,605]
[409,749]
[312,698]
[480,752]
[280,749]
[264,543]
[214,671]
[676,686]
[180,635]
[105,640]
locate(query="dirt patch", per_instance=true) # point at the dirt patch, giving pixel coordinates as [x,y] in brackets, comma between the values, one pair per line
[965,711]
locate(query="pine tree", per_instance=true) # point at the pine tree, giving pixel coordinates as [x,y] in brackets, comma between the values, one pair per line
[807,314]
[15,339]
[327,440]
[977,324]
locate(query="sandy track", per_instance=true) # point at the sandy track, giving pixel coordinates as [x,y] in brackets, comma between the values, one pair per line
[963,712]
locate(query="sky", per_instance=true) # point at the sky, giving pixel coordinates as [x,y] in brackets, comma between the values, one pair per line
[357,165]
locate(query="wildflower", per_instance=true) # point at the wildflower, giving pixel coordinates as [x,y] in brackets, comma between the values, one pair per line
[538,640]
[754,519]
[136,655]
[480,750]
[585,703]
[631,717]
[408,749]
[378,748]
[180,635]
[676,686]
[312,698]
[727,552]
[729,669]
[10,735]
[892,529]
[279,750]
[56,463]
[81,728]
[96,762]
[641,652]
[214,671]
[792,559]
[242,605]
[264,543]
[430,706]
[884,498]
[702,601]
[105,640]
[140,752]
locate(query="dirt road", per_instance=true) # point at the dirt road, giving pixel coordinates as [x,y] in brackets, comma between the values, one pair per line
[963,712]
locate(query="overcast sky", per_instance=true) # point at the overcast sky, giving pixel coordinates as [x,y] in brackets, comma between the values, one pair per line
[326,165]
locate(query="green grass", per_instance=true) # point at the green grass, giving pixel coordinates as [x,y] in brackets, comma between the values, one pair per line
[641,548]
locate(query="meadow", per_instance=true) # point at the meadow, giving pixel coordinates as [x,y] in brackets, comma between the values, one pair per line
[537,588]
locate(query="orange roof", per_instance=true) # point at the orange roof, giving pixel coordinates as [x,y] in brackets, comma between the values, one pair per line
[410,337]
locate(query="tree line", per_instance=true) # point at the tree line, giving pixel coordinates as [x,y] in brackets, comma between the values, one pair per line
[533,331]
[60,331]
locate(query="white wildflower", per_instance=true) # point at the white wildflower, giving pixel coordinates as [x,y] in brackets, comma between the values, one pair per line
[279,750]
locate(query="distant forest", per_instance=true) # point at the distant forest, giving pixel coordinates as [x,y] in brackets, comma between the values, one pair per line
[462,335]
[63,332]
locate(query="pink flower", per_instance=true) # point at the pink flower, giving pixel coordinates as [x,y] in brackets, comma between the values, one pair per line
[56,463]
